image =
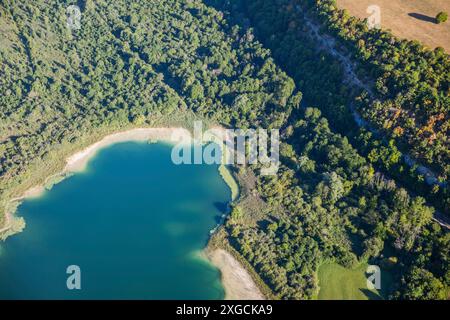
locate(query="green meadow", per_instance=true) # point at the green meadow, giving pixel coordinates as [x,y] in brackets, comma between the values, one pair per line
[339,283]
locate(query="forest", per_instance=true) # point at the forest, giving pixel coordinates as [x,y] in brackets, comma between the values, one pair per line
[283,27]
[342,194]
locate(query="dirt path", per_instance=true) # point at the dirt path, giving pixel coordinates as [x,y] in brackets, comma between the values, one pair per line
[328,44]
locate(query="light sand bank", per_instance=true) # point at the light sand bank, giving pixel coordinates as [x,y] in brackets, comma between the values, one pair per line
[79,160]
[237,282]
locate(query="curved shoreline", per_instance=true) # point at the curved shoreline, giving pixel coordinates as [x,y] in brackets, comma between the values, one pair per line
[78,161]
[235,279]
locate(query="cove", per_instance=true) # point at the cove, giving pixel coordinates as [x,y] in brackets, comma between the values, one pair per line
[134,222]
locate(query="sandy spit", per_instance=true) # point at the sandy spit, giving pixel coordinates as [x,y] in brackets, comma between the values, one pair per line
[237,282]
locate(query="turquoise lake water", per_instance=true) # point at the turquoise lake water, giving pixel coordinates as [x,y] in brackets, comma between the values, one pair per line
[133,222]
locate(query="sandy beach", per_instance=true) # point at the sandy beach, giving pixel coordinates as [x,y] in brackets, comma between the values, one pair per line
[79,160]
[237,282]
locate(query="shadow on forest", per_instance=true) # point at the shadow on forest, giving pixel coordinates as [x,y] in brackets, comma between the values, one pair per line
[422,17]
[371,295]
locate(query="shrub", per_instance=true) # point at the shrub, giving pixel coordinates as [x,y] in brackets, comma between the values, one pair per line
[441,17]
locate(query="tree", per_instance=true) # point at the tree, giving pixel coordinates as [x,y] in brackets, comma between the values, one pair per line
[236,213]
[420,284]
[441,17]
[197,91]
[139,120]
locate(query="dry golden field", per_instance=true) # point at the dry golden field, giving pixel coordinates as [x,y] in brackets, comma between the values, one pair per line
[410,19]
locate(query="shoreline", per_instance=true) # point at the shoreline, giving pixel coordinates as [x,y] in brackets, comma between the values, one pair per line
[236,280]
[78,161]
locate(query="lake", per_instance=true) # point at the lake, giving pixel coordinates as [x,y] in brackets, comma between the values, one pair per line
[133,222]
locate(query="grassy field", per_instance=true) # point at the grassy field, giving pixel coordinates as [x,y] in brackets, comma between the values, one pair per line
[339,283]
[412,19]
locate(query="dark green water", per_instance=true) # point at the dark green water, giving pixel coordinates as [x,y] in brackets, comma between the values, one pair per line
[133,222]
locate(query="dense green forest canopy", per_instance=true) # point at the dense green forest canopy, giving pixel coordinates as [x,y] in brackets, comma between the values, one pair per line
[134,62]
[285,27]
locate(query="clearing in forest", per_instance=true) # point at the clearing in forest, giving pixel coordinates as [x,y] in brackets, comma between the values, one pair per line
[339,283]
[412,19]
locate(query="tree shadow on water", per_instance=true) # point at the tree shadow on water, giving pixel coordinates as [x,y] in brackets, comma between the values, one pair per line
[422,17]
[223,208]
